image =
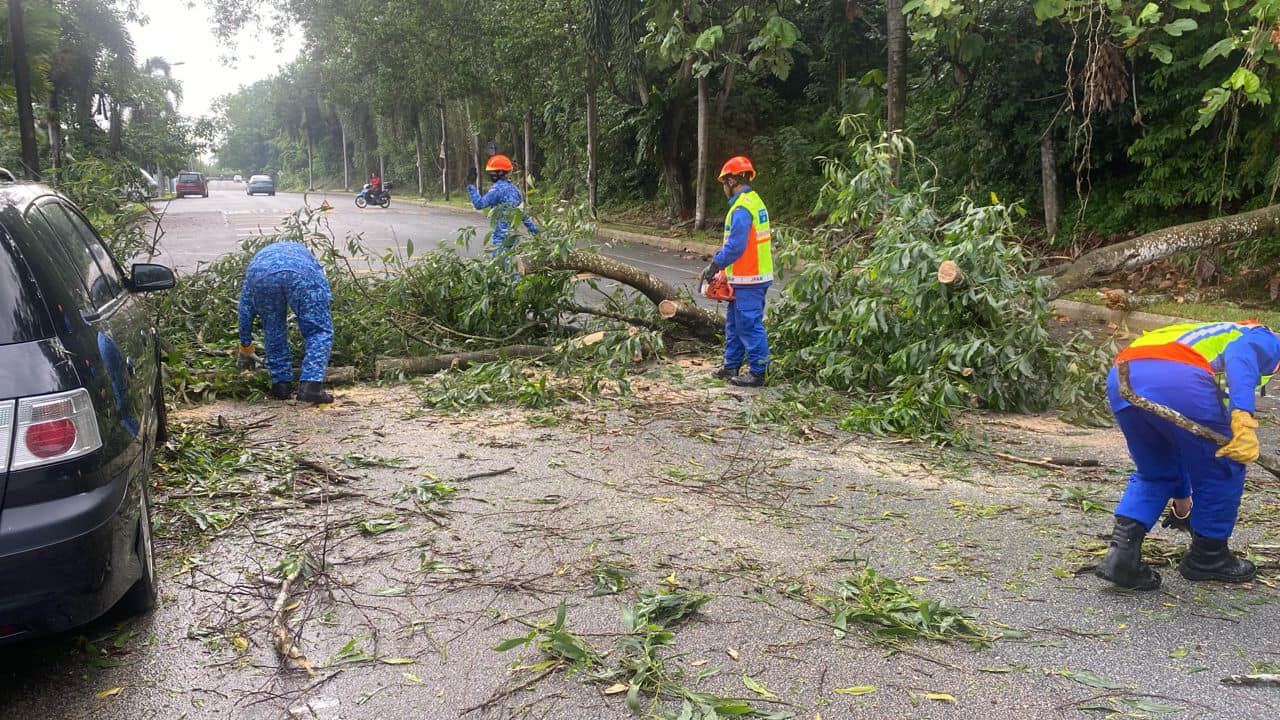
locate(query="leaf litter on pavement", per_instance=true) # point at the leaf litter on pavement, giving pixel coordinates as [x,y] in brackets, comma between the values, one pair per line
[788,575]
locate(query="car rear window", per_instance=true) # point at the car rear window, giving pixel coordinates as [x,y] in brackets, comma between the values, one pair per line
[22,314]
[260,178]
[188,177]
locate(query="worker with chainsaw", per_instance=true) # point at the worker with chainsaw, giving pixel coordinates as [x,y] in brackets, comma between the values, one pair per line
[746,262]
[506,200]
[1209,373]
[285,276]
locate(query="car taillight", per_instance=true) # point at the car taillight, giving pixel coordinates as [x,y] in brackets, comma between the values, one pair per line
[6,432]
[48,439]
[53,428]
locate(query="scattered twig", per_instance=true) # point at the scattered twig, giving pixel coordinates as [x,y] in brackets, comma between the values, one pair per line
[285,643]
[528,682]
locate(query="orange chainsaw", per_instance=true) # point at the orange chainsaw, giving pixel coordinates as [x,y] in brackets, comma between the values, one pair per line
[718,289]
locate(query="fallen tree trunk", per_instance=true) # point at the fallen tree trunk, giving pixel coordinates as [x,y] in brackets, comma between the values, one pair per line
[336,375]
[426,365]
[1160,244]
[702,322]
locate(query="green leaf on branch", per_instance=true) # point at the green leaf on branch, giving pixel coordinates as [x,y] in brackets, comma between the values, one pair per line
[1180,26]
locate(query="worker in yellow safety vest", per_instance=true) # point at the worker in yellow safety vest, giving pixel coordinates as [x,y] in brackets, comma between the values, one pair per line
[1208,372]
[747,261]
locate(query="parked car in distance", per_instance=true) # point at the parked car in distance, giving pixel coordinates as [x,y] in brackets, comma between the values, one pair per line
[81,411]
[190,183]
[260,184]
[238,178]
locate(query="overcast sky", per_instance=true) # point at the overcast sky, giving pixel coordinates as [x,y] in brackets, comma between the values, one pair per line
[182,35]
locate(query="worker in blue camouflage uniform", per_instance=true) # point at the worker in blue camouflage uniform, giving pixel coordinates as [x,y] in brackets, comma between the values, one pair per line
[505,197]
[284,276]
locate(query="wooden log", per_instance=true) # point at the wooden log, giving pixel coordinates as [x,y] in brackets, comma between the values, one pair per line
[336,375]
[385,366]
[949,273]
[704,323]
[1215,232]
[1266,462]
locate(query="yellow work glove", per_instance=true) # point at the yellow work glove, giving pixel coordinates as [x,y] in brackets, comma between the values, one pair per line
[246,359]
[1243,447]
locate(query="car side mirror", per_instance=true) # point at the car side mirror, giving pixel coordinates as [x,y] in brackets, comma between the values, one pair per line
[148,277]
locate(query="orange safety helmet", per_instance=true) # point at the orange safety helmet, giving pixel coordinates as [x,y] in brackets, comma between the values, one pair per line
[738,165]
[498,163]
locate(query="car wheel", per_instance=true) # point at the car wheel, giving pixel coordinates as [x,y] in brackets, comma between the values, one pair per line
[141,598]
[273,193]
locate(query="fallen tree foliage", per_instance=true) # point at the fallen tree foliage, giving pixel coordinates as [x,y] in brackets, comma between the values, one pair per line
[938,312]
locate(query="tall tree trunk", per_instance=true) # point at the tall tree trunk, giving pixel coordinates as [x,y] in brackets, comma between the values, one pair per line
[896,75]
[1050,184]
[311,178]
[700,191]
[346,176]
[592,119]
[22,86]
[55,136]
[115,128]
[417,151]
[477,161]
[528,150]
[726,87]
[444,153]
[382,166]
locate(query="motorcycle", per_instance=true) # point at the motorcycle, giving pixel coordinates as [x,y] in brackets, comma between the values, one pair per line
[368,197]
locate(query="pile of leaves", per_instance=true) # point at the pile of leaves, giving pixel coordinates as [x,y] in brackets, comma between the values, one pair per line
[867,315]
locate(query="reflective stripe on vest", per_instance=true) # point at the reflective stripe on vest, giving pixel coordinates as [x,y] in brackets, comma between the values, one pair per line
[1197,344]
[756,264]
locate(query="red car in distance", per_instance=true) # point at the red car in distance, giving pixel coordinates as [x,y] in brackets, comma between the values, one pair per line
[191,183]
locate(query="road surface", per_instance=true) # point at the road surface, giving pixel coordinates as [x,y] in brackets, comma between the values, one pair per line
[198,230]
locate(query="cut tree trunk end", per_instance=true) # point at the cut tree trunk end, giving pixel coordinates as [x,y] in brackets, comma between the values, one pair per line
[703,323]
[949,273]
[1158,244]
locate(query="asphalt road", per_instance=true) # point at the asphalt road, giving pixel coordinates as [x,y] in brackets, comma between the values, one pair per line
[198,230]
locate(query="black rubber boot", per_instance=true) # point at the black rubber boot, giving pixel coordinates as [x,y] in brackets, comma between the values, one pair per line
[1211,559]
[725,373]
[1123,564]
[748,379]
[313,392]
[282,390]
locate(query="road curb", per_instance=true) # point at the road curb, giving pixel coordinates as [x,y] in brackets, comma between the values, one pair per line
[1129,323]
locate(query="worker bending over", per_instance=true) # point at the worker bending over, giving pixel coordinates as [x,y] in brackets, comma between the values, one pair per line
[284,276]
[505,197]
[1208,372]
[747,261]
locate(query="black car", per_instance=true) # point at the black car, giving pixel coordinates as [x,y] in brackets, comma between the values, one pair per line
[81,410]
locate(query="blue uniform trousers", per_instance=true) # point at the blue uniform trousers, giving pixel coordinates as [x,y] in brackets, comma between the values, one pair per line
[744,335]
[1171,462]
